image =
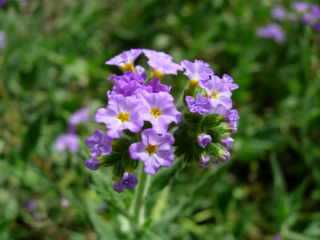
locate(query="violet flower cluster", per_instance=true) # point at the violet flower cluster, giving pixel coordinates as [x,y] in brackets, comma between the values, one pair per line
[144,123]
[307,13]
[69,141]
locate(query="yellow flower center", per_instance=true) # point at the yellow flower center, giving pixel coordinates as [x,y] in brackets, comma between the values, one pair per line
[156,112]
[123,116]
[194,83]
[214,95]
[128,67]
[157,74]
[151,149]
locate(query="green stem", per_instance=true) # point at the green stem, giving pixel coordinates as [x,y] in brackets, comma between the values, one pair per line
[138,203]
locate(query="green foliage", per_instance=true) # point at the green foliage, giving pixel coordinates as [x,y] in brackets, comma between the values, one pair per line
[53,64]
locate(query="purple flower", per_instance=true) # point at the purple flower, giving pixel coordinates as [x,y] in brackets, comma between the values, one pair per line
[156,86]
[2,39]
[312,17]
[125,60]
[155,150]
[127,84]
[204,160]
[317,27]
[161,63]
[232,118]
[225,155]
[204,140]
[67,142]
[277,237]
[199,104]
[301,7]
[228,142]
[197,71]
[92,164]
[120,114]
[279,13]
[159,109]
[2,3]
[272,31]
[31,205]
[99,144]
[229,83]
[79,116]
[218,93]
[128,181]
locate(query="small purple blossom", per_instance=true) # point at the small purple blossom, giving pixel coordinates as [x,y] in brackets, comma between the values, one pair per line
[120,114]
[159,109]
[197,71]
[301,7]
[312,17]
[279,13]
[155,86]
[99,144]
[31,205]
[204,160]
[200,104]
[67,142]
[161,63]
[79,116]
[272,31]
[225,155]
[228,142]
[155,150]
[204,140]
[92,163]
[232,118]
[128,181]
[218,93]
[127,84]
[125,60]
[2,3]
[229,83]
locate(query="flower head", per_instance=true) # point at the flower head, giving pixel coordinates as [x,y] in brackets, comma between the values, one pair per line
[128,181]
[127,84]
[200,104]
[161,63]
[92,163]
[155,150]
[204,160]
[79,116]
[2,2]
[197,71]
[229,83]
[67,142]
[159,109]
[279,13]
[125,60]
[232,117]
[218,93]
[204,140]
[228,142]
[155,85]
[120,114]
[99,144]
[301,7]
[272,31]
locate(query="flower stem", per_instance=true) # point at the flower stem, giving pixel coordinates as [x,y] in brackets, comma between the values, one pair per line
[138,203]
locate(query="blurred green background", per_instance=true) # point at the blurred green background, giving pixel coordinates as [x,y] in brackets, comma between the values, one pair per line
[53,64]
